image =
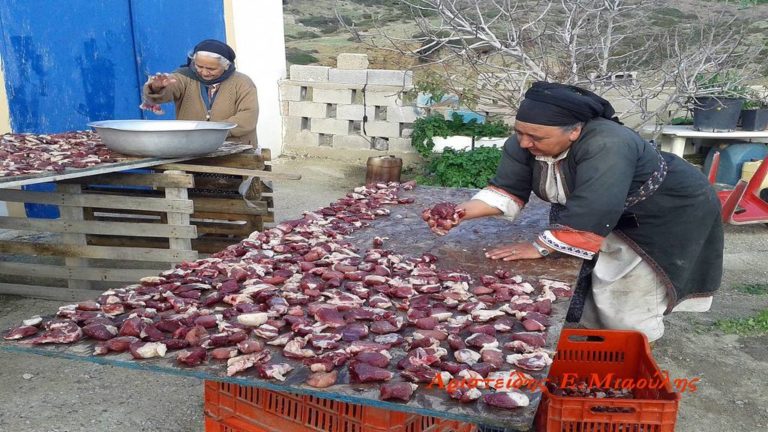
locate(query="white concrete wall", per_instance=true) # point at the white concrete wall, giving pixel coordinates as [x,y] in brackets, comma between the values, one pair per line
[259,42]
[5,118]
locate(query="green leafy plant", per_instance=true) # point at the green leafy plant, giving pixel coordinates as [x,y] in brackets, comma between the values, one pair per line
[752,326]
[432,84]
[681,121]
[462,168]
[721,84]
[755,100]
[427,128]
[753,288]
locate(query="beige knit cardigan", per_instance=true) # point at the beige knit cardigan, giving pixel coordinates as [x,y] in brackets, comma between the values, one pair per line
[236,101]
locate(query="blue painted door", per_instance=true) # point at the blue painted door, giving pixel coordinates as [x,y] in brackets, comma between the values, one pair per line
[70,62]
[166,31]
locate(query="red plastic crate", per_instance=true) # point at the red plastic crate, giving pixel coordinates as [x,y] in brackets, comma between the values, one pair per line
[235,408]
[626,355]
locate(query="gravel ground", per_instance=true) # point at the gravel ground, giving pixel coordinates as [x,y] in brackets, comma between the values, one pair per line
[42,394]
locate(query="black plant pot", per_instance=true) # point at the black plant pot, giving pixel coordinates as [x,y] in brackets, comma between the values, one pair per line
[755,119]
[713,114]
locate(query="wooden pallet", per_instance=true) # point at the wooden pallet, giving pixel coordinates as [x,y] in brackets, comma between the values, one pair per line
[69,266]
[221,215]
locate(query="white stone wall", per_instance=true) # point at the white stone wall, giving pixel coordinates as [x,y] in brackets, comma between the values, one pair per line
[349,107]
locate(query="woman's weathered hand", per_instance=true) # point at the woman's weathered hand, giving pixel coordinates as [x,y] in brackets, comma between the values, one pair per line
[159,81]
[517,251]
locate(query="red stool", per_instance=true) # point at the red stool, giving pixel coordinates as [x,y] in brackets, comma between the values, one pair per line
[742,205]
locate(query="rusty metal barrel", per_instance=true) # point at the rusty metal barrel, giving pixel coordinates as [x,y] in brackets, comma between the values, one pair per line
[382,169]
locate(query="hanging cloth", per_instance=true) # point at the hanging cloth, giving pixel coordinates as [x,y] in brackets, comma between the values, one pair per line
[208,94]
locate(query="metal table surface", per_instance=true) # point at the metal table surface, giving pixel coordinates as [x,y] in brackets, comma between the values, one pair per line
[123,163]
[407,234]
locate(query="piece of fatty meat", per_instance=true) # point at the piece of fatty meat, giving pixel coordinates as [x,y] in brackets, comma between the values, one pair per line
[534,339]
[191,357]
[21,332]
[464,394]
[145,350]
[506,399]
[482,340]
[466,356]
[250,346]
[63,332]
[531,361]
[323,379]
[363,373]
[373,358]
[245,361]
[354,331]
[274,371]
[224,353]
[254,319]
[419,374]
[397,391]
[100,332]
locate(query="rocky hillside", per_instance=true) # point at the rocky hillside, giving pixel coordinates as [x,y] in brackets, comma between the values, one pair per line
[314,34]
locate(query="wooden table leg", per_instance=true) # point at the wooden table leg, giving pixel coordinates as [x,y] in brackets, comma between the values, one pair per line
[73,214]
[678,146]
[178,218]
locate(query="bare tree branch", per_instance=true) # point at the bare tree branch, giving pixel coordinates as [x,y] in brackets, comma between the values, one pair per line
[491,50]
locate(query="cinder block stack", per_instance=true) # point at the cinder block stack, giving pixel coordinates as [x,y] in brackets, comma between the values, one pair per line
[348,107]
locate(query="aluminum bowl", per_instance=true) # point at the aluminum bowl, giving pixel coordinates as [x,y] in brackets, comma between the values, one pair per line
[162,138]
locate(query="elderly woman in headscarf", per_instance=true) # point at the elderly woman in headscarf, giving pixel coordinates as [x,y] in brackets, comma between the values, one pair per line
[208,88]
[647,222]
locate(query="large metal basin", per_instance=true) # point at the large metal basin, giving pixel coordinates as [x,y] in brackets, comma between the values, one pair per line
[162,138]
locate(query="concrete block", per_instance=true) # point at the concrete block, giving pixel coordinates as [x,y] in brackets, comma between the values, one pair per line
[352,61]
[332,96]
[351,142]
[284,106]
[309,73]
[341,76]
[330,126]
[382,129]
[390,77]
[404,114]
[308,109]
[303,139]
[290,92]
[291,125]
[354,112]
[382,98]
[401,145]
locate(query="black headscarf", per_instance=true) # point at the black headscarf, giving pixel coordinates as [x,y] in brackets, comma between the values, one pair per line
[213,46]
[553,104]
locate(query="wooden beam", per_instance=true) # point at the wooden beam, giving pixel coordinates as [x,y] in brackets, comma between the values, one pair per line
[74,214]
[50,293]
[150,179]
[174,218]
[94,200]
[79,251]
[232,206]
[233,171]
[98,227]
[240,160]
[75,273]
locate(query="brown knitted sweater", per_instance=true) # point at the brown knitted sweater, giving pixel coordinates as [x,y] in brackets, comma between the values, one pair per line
[236,101]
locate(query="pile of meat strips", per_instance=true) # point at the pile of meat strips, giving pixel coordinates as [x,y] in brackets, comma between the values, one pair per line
[300,292]
[26,154]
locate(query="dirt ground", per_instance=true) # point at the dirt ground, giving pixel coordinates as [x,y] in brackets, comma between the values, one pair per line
[39,394]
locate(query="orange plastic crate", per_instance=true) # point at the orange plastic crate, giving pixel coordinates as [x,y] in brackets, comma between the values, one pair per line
[625,355]
[235,408]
